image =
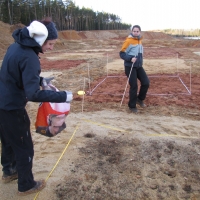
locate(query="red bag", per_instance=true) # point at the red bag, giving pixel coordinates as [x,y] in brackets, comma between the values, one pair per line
[51,118]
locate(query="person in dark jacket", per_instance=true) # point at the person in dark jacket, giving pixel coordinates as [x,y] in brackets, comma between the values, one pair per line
[20,82]
[132,54]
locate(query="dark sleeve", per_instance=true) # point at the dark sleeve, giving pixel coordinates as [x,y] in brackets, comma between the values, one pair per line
[125,57]
[30,67]
[41,79]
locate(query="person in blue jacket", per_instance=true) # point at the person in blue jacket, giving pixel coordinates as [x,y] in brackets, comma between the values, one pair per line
[20,82]
[132,54]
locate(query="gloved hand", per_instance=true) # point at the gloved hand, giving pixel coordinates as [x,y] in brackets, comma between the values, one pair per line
[69,96]
[48,79]
[46,82]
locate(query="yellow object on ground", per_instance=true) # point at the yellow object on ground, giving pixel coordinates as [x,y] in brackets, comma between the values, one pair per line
[81,92]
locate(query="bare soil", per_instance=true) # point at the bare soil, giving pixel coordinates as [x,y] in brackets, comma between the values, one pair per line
[107,152]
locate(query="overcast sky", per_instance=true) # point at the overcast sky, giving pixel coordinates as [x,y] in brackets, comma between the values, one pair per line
[150,14]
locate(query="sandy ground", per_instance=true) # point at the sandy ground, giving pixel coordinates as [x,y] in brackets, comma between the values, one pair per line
[108,153]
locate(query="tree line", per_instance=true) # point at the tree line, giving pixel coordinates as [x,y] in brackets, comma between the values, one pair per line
[64,13]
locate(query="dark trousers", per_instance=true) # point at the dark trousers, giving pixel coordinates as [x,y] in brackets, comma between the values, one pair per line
[140,74]
[17,146]
[8,159]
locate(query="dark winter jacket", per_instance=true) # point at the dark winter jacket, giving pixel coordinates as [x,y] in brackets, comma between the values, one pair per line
[19,75]
[132,47]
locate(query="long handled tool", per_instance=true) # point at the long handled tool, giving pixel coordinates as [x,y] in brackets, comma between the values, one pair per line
[126,85]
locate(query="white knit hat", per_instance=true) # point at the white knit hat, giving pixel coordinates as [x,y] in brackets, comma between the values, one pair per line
[38,32]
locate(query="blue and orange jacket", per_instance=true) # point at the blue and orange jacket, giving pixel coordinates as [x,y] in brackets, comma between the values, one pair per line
[132,47]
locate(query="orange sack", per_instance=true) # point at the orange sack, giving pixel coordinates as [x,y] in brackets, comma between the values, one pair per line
[51,118]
